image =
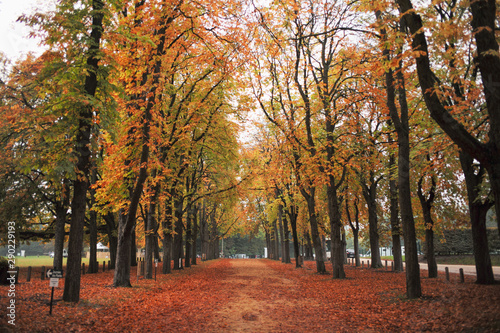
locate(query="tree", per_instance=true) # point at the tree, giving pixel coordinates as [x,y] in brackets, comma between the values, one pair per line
[484,148]
[82,141]
[74,37]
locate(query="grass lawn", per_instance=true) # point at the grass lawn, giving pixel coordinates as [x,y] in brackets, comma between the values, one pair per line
[465,260]
[38,261]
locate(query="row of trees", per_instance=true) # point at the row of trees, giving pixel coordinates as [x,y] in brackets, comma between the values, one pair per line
[351,134]
[125,124]
[126,127]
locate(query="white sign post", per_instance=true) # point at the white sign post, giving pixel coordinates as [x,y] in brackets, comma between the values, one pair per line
[54,276]
[156,265]
[54,282]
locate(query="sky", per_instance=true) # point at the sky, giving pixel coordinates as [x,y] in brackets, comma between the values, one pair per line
[14,41]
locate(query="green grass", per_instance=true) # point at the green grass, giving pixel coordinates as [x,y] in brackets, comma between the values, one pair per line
[465,260]
[38,261]
[389,258]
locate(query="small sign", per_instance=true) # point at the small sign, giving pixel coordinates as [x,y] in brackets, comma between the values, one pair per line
[156,262]
[52,273]
[54,282]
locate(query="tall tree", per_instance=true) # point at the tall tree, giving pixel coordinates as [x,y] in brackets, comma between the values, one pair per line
[483,25]
[400,119]
[83,165]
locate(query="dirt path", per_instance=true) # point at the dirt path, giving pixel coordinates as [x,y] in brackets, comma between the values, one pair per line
[255,301]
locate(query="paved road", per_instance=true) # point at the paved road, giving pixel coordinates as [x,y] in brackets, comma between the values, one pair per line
[468,269]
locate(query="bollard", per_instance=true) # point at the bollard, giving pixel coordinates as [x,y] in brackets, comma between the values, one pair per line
[462,277]
[368,264]
[43,273]
[28,279]
[104,266]
[109,265]
[362,264]
[97,266]
[83,268]
[392,266]
[447,271]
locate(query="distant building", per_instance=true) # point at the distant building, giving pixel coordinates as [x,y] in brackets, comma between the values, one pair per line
[102,252]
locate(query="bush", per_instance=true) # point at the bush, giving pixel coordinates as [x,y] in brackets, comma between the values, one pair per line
[456,242]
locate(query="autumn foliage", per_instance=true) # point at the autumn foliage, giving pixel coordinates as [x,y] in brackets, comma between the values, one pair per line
[261,295]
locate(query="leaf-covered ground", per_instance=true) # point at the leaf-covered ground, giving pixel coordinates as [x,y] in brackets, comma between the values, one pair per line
[257,296]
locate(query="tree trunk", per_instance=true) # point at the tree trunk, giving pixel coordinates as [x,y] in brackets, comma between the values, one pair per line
[81,183]
[122,275]
[292,214]
[426,204]
[195,235]
[213,237]
[179,231]
[313,222]
[337,250]
[286,235]
[276,240]
[167,238]
[394,210]
[204,232]
[268,244]
[189,234]
[281,233]
[150,229]
[477,211]
[413,285]
[133,248]
[370,195]
[150,237]
[354,228]
[59,236]
[93,265]
[61,211]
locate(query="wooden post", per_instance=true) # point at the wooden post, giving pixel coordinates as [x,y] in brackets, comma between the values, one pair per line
[447,271]
[104,266]
[462,277]
[83,268]
[97,266]
[386,265]
[17,274]
[362,264]
[43,273]
[28,279]
[109,264]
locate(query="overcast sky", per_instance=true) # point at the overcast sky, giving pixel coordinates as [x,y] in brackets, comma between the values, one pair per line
[14,41]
